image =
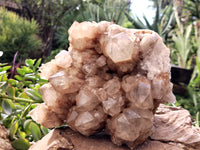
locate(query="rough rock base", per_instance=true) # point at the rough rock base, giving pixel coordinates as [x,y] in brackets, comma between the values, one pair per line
[173,130]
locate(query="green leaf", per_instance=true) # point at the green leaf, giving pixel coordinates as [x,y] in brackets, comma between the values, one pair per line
[3,64]
[7,106]
[45,131]
[30,76]
[18,78]
[6,68]
[27,69]
[28,83]
[11,91]
[20,85]
[12,81]
[2,72]
[188,31]
[30,62]
[13,129]
[34,95]
[35,130]
[26,111]
[21,134]
[21,144]
[147,22]
[4,77]
[3,83]
[23,95]
[43,80]
[167,25]
[38,63]
[21,71]
[26,126]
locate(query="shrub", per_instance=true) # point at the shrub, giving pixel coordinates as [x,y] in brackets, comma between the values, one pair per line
[17,34]
[18,96]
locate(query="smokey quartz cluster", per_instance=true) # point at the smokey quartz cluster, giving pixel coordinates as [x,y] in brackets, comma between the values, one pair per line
[110,78]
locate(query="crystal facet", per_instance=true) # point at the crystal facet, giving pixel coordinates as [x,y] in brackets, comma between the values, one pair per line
[110,78]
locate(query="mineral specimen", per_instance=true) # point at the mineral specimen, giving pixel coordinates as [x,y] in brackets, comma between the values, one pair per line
[111,78]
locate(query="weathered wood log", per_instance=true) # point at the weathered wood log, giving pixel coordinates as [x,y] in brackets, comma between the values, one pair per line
[173,130]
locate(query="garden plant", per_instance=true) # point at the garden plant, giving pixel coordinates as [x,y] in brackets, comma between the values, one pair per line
[41,33]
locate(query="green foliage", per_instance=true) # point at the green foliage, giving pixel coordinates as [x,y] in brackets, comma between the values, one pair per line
[162,22]
[49,14]
[91,10]
[186,52]
[17,34]
[191,103]
[18,97]
[182,42]
[192,8]
[195,80]
[109,10]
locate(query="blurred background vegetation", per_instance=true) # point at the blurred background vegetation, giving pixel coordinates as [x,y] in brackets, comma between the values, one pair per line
[34,31]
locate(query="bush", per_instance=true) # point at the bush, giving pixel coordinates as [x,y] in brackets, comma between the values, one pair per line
[17,34]
[18,96]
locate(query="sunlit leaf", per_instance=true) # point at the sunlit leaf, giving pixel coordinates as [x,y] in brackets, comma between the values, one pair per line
[4,77]
[6,68]
[2,83]
[30,62]
[3,64]
[18,77]
[21,71]
[27,69]
[2,72]
[23,95]
[21,134]
[38,63]
[13,129]
[30,76]
[34,95]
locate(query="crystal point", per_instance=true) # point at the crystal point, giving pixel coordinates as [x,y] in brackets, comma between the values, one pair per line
[110,78]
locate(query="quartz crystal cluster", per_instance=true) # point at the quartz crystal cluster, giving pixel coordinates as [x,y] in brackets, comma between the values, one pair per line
[111,78]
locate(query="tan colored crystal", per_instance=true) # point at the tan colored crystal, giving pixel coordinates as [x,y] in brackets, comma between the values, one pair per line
[86,100]
[48,69]
[138,92]
[116,45]
[110,78]
[55,101]
[63,59]
[43,115]
[113,106]
[66,82]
